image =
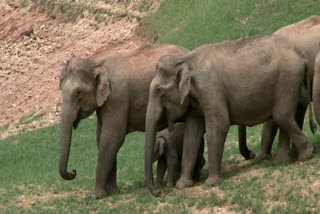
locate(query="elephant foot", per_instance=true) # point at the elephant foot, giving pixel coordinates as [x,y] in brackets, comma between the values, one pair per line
[306,153]
[112,189]
[263,156]
[213,180]
[281,158]
[182,183]
[98,193]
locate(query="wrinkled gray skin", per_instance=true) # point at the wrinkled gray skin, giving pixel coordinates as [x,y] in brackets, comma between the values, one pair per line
[116,87]
[226,84]
[305,36]
[168,152]
[316,88]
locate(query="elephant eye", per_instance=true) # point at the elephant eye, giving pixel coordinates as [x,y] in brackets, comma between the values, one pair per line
[77,93]
[157,89]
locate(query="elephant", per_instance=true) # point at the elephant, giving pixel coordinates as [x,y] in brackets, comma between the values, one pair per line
[116,87]
[305,36]
[225,83]
[168,152]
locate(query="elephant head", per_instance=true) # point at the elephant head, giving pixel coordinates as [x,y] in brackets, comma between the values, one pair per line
[168,98]
[85,86]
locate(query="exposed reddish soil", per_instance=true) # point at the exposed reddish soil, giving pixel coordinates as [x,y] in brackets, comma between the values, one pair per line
[34,47]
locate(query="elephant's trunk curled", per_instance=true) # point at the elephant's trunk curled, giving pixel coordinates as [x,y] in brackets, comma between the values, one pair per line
[66,132]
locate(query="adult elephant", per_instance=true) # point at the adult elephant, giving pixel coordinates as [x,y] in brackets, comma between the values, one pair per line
[116,87]
[212,81]
[305,36]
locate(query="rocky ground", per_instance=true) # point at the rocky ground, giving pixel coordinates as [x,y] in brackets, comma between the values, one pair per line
[34,46]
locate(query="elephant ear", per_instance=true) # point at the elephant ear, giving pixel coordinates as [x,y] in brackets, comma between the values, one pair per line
[183,78]
[103,85]
[162,146]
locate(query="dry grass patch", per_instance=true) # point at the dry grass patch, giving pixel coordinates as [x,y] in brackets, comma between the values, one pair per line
[27,201]
[3,191]
[200,192]
[162,207]
[216,210]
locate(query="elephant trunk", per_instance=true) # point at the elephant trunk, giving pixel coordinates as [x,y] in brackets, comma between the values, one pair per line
[152,118]
[66,133]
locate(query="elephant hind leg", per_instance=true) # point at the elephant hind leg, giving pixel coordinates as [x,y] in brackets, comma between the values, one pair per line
[300,141]
[282,155]
[269,132]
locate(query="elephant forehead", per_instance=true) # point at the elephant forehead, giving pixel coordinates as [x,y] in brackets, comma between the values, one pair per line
[167,63]
[69,86]
[72,84]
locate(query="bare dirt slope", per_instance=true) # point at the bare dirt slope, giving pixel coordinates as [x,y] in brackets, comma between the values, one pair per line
[34,47]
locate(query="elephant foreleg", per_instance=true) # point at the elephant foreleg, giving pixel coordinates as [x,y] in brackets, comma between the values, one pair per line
[112,136]
[193,134]
[200,162]
[98,129]
[216,137]
[111,184]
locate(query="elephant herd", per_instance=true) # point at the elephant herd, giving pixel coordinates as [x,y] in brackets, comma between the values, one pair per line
[176,96]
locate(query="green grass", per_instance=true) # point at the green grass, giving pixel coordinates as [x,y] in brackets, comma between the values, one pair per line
[29,178]
[191,23]
[30,182]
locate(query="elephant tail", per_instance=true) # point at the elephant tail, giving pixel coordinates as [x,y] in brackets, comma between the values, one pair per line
[307,83]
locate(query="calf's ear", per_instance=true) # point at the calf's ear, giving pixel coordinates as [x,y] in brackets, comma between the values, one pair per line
[162,146]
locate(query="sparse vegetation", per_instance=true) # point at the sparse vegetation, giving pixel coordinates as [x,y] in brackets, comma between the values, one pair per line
[145,5]
[29,179]
[72,10]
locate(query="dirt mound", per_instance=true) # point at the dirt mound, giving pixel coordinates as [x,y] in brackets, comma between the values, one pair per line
[34,46]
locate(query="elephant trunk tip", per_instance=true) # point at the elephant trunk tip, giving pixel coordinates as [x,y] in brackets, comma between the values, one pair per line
[153,191]
[69,175]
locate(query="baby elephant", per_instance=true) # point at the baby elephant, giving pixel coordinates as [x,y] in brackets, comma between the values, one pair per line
[168,152]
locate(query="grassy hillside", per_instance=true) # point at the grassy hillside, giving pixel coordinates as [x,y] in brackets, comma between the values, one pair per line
[29,178]
[191,23]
